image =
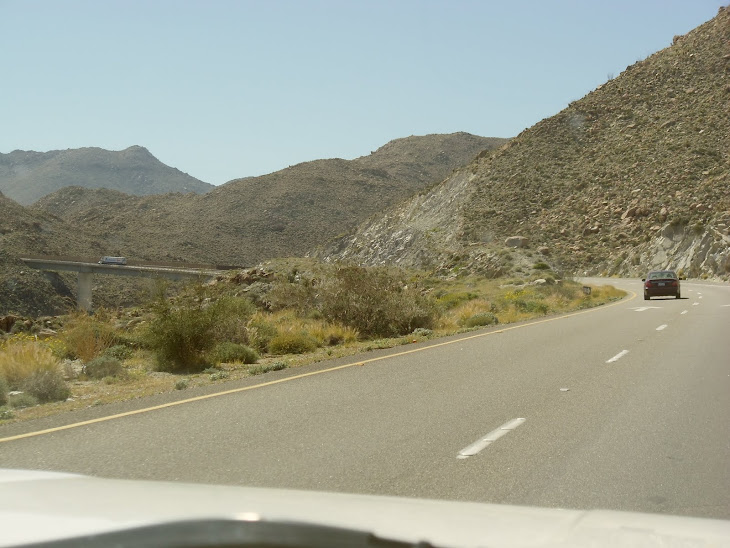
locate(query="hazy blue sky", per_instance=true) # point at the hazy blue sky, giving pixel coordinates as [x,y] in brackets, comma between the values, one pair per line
[228,89]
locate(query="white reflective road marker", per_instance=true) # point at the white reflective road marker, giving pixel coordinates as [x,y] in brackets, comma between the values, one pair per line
[662,327]
[494,435]
[618,356]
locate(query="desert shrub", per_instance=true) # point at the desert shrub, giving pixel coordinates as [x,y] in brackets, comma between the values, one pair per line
[480,319]
[181,336]
[22,400]
[3,391]
[85,337]
[293,294]
[540,265]
[375,301]
[452,300]
[103,366]
[292,343]
[260,332]
[21,358]
[46,386]
[220,375]
[183,333]
[6,413]
[261,369]
[332,334]
[232,315]
[181,384]
[227,352]
[120,352]
[535,306]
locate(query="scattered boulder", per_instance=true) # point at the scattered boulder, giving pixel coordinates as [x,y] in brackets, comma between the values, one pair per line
[516,241]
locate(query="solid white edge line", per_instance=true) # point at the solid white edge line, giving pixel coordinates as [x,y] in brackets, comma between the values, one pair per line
[662,327]
[494,435]
[618,356]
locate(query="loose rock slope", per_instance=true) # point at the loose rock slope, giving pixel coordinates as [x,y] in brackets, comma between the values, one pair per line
[636,175]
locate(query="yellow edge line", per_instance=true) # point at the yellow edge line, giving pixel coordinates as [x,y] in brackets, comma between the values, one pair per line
[270,383]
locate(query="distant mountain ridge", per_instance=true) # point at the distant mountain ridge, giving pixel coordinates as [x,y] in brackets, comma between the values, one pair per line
[281,214]
[27,176]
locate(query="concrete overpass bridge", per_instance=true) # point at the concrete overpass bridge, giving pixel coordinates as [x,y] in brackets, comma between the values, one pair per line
[85,271]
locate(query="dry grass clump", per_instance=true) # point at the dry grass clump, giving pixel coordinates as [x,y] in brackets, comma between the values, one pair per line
[486,303]
[86,337]
[22,357]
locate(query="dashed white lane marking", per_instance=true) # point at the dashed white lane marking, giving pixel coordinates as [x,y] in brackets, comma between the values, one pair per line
[643,308]
[662,327]
[695,304]
[618,356]
[494,435]
[684,312]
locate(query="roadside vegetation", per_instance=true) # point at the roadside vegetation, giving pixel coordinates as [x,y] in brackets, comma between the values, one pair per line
[281,315]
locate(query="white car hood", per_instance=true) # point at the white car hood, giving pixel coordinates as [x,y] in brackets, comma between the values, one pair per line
[47,507]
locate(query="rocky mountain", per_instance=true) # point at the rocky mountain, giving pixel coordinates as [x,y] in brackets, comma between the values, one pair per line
[634,176]
[281,214]
[26,176]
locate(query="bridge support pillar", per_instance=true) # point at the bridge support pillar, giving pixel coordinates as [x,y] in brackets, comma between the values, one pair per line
[83,293]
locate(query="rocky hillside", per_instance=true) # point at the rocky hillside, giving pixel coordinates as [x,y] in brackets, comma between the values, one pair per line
[635,175]
[27,176]
[24,290]
[281,214]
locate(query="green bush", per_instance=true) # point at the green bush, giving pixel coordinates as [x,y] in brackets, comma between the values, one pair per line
[47,386]
[375,301]
[231,315]
[22,400]
[534,306]
[181,335]
[103,366]
[6,413]
[480,319]
[181,384]
[119,351]
[292,343]
[3,391]
[228,352]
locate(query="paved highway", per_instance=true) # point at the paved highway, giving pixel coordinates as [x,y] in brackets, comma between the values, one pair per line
[624,407]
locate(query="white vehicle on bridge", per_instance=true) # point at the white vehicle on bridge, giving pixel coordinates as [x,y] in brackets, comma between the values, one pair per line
[113,260]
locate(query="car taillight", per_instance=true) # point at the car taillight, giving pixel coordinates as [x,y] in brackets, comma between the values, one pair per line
[647,284]
[674,283]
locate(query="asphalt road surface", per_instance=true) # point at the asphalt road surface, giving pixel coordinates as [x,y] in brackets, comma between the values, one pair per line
[624,407]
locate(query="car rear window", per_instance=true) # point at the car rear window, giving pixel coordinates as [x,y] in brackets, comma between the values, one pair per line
[662,275]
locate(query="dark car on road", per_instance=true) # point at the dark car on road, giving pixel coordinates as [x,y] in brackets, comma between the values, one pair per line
[661,283]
